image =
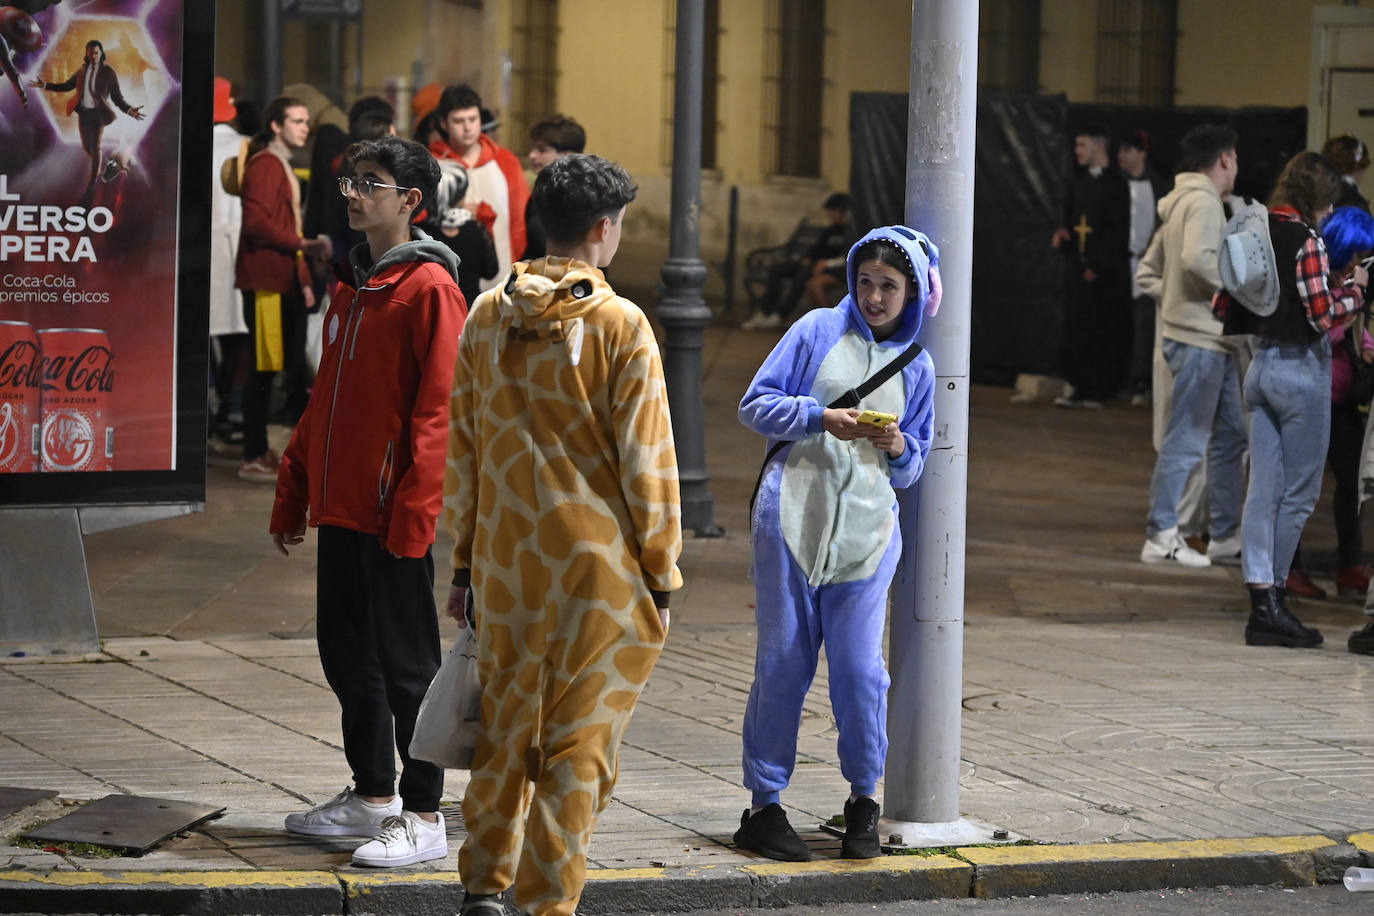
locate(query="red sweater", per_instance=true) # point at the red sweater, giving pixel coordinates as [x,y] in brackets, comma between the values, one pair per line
[269,241]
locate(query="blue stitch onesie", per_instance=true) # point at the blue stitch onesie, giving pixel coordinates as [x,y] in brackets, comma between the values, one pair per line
[825,533]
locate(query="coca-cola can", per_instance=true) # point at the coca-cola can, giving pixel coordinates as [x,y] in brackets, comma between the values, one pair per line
[19,398]
[77,369]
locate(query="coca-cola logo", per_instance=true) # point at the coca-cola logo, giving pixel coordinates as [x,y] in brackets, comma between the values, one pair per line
[90,370]
[67,440]
[9,434]
[19,365]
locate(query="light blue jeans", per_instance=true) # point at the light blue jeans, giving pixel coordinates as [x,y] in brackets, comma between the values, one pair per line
[1207,419]
[1288,393]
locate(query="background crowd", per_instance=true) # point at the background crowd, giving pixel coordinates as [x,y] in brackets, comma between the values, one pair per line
[1247,326]
[282,238]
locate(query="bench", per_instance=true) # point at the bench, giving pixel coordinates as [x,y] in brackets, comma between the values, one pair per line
[760,261]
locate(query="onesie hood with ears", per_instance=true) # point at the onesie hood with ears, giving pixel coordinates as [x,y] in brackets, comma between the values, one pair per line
[924,259]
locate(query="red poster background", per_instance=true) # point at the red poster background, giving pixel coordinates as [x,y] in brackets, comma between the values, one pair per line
[123,279]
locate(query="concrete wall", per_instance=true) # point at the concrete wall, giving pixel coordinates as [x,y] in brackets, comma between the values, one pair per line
[623,102]
[1244,52]
[1068,48]
[614,58]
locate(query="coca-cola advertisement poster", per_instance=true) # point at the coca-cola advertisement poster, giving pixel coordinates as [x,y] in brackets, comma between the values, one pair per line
[98,214]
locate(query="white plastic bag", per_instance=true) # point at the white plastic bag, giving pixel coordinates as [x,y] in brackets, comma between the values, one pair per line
[314,334]
[447,726]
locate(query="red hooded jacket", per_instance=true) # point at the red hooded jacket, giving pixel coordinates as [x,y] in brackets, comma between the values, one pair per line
[369,452]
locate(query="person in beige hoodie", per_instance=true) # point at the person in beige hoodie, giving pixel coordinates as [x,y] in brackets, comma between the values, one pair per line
[1179,270]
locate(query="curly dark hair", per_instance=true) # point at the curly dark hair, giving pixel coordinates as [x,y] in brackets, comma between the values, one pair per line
[409,163]
[1309,183]
[575,191]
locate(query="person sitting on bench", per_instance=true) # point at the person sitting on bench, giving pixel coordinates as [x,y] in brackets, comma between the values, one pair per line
[820,270]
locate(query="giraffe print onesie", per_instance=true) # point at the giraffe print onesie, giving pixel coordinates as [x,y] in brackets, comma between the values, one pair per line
[562,495]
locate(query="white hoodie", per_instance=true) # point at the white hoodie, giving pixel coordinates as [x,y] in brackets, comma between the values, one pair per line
[1179,270]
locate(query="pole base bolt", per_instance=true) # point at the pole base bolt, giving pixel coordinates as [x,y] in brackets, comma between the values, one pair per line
[999,834]
[896,840]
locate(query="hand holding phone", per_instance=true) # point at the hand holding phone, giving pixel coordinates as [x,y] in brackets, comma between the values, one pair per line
[876,418]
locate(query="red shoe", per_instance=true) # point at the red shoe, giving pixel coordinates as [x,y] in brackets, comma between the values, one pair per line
[1298,584]
[1352,582]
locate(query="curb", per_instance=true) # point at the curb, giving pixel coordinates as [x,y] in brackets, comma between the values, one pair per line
[976,871]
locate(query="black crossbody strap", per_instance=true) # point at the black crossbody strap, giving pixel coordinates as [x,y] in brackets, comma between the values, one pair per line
[850,398]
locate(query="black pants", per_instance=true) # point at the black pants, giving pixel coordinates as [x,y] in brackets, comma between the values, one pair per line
[1097,334]
[378,633]
[1343,454]
[786,281]
[229,373]
[257,391]
[90,124]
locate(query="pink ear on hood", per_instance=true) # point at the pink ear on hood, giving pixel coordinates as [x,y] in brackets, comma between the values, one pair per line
[936,291]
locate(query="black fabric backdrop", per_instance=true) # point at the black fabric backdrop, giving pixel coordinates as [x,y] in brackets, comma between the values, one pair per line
[1023,161]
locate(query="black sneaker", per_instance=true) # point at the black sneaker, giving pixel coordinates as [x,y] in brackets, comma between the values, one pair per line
[861,830]
[1361,642]
[768,834]
[481,905]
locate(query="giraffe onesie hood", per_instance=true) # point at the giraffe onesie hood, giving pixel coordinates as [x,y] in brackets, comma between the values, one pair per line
[562,495]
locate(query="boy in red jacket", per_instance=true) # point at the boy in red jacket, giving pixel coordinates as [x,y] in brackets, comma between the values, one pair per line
[366,464]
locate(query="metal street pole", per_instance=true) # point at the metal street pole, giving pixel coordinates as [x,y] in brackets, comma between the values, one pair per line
[271,50]
[683,311]
[926,637]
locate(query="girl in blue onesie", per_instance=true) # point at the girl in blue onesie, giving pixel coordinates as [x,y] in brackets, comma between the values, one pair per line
[825,533]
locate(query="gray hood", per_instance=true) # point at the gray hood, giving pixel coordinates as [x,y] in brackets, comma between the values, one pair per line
[420,248]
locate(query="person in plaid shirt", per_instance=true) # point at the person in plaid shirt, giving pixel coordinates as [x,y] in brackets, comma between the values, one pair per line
[1288,396]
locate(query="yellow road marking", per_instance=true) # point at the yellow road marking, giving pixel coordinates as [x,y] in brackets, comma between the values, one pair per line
[246,878]
[1184,849]
[848,866]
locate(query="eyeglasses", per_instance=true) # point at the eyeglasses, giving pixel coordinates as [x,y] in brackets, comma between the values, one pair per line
[364,186]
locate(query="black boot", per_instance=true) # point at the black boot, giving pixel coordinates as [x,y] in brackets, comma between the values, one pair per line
[861,830]
[1272,624]
[1361,642]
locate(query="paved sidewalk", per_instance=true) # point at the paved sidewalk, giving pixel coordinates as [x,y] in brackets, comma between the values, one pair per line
[1105,702]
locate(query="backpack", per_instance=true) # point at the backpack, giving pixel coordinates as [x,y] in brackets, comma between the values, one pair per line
[231,170]
[1245,259]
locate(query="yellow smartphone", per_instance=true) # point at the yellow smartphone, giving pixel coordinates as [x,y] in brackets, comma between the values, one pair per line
[876,418]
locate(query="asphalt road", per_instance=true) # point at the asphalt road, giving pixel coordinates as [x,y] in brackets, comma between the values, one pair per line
[1244,901]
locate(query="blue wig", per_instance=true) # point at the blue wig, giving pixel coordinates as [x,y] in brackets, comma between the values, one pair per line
[1348,231]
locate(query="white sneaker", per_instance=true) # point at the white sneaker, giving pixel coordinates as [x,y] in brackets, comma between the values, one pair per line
[1225,552]
[343,815]
[1169,545]
[763,322]
[405,839]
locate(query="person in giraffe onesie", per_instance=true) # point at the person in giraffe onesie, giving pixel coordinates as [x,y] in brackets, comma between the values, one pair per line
[562,496]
